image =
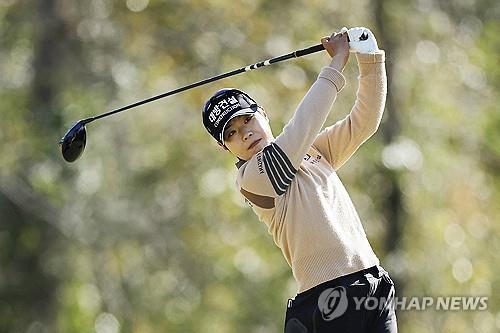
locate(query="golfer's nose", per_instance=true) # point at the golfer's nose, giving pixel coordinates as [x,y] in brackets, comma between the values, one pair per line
[247,134]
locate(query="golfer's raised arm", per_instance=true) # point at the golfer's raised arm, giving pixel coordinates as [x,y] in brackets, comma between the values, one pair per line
[309,117]
[339,141]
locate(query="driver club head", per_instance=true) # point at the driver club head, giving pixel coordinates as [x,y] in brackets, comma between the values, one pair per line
[73,142]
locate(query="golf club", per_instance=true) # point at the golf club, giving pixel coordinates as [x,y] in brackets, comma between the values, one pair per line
[73,142]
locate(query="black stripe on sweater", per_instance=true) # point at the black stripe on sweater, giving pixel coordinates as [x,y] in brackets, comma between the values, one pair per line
[278,167]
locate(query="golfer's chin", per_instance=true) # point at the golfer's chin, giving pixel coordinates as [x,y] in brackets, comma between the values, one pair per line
[255,149]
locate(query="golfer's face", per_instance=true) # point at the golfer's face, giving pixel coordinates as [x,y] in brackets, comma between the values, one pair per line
[246,135]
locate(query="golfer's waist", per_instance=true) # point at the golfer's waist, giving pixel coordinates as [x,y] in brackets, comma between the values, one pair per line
[313,272]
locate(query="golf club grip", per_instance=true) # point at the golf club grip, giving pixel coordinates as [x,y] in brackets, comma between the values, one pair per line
[309,50]
[294,54]
[298,53]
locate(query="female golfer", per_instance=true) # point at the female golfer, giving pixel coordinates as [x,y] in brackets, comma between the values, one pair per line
[291,184]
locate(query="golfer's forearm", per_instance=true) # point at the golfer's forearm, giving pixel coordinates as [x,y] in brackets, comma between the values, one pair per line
[337,63]
[370,97]
[301,131]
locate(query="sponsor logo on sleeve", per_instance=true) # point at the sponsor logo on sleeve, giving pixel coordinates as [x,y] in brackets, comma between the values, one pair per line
[259,163]
[312,160]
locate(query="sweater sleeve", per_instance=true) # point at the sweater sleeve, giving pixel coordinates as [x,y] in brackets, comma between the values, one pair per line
[271,171]
[339,141]
[302,129]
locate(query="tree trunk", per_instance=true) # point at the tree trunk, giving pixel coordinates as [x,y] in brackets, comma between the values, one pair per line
[392,203]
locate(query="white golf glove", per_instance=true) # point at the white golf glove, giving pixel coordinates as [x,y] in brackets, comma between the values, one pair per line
[361,40]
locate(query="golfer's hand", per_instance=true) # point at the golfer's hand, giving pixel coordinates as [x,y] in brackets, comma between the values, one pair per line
[337,46]
[362,40]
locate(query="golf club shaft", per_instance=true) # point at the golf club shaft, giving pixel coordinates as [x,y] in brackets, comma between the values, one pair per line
[291,55]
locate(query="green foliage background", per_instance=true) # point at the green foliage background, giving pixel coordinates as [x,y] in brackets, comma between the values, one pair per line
[146,233]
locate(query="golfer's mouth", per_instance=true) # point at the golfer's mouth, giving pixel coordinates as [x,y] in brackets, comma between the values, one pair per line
[254,144]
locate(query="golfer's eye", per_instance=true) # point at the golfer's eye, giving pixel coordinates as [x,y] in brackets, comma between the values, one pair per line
[230,134]
[248,119]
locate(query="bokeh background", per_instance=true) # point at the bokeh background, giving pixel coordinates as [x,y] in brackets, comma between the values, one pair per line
[146,233]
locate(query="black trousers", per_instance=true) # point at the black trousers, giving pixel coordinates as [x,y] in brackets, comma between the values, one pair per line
[359,302]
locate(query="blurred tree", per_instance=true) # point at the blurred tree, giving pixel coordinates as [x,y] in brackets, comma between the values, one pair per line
[28,287]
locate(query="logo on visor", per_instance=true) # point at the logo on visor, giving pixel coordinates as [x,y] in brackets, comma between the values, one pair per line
[222,108]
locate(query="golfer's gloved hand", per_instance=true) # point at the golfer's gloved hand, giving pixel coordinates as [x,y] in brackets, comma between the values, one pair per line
[361,40]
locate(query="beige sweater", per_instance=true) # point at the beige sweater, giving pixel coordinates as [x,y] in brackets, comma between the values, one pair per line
[292,185]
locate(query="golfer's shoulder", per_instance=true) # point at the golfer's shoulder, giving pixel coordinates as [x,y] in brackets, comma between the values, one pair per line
[253,177]
[251,169]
